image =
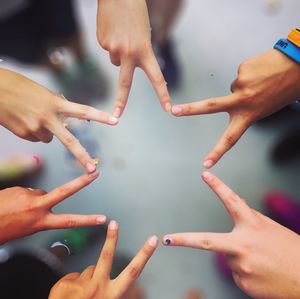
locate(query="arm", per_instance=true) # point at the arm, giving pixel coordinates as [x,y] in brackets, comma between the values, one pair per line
[263,255]
[95,282]
[123,29]
[264,85]
[34,113]
[24,211]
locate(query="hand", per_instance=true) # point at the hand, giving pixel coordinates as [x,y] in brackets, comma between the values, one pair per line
[25,211]
[265,84]
[34,113]
[263,255]
[123,29]
[94,281]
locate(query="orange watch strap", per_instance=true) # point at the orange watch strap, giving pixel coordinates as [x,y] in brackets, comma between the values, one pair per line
[294,37]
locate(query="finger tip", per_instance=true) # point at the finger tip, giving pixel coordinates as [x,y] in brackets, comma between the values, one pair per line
[90,167]
[153,241]
[168,107]
[113,120]
[94,175]
[113,225]
[208,163]
[101,219]
[207,176]
[117,112]
[167,240]
[176,110]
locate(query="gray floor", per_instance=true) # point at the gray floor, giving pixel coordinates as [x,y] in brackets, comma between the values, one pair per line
[152,162]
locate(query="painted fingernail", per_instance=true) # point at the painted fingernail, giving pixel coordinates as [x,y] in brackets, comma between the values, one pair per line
[207,176]
[117,112]
[153,241]
[90,167]
[167,241]
[177,110]
[113,225]
[112,120]
[101,219]
[37,160]
[93,175]
[208,163]
[168,107]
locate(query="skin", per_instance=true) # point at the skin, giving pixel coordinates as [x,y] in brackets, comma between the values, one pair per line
[34,113]
[263,255]
[24,211]
[264,85]
[162,17]
[123,29]
[94,282]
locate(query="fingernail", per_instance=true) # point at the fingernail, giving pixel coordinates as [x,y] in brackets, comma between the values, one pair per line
[208,163]
[167,241]
[101,219]
[113,120]
[113,225]
[152,241]
[117,112]
[168,107]
[177,110]
[207,176]
[93,175]
[37,160]
[90,167]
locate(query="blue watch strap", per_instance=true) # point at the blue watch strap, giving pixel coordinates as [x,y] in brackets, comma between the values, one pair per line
[289,49]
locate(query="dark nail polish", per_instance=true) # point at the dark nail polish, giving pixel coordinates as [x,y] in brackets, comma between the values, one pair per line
[168,242]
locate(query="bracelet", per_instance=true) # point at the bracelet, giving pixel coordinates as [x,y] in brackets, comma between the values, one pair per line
[289,49]
[294,37]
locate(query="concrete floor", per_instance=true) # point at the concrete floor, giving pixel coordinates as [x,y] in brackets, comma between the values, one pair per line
[152,162]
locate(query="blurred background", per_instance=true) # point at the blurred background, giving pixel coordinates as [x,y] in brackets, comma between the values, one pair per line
[151,162]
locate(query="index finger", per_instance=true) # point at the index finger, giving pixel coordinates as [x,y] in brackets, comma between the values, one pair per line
[70,109]
[230,137]
[104,264]
[72,144]
[62,192]
[124,86]
[152,70]
[136,266]
[208,106]
[236,207]
[207,241]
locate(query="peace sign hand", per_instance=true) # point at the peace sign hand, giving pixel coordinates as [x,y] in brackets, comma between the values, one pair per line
[95,282]
[265,84]
[263,255]
[26,211]
[36,114]
[123,29]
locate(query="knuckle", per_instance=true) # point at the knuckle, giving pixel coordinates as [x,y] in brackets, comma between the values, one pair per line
[211,105]
[107,254]
[230,139]
[125,82]
[246,269]
[114,49]
[247,95]
[72,222]
[134,272]
[70,141]
[159,80]
[206,244]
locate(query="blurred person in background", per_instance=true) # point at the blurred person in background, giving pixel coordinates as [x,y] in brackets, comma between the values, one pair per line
[163,15]
[47,33]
